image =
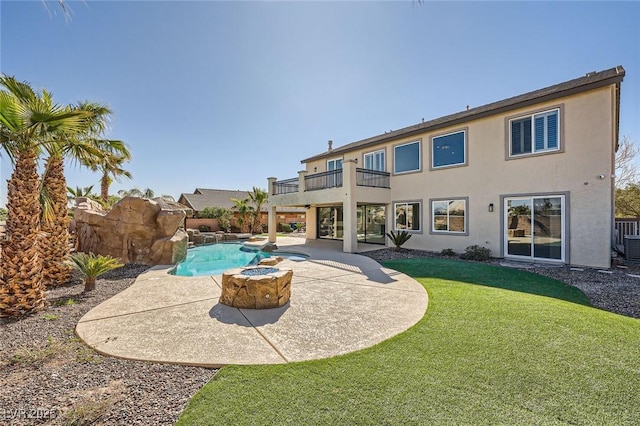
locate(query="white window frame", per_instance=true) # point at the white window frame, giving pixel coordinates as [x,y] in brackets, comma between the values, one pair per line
[563,231]
[465,231]
[417,142]
[407,204]
[532,117]
[464,159]
[373,155]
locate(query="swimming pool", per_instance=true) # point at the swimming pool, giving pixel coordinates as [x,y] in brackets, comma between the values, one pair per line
[214,259]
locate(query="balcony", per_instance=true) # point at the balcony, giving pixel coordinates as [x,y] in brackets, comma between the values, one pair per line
[332,179]
[286,186]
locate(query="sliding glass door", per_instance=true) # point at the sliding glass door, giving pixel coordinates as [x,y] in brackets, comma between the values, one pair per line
[534,227]
[330,223]
[371,224]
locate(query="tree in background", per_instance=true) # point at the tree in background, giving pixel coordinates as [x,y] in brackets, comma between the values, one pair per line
[78,192]
[244,213]
[28,121]
[147,193]
[110,164]
[223,215]
[627,196]
[259,198]
[626,166]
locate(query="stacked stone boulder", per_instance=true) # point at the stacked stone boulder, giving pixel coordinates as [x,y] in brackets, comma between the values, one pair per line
[259,291]
[136,230]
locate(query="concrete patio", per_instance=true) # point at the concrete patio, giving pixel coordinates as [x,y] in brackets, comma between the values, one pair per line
[340,303]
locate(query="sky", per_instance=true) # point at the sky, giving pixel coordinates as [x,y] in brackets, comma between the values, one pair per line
[224,95]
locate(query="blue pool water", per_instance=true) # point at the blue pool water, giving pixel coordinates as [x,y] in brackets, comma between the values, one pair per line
[216,258]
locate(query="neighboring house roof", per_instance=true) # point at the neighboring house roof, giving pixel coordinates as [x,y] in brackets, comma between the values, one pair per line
[205,197]
[590,81]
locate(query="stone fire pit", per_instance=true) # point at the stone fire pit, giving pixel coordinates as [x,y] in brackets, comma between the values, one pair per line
[257,287]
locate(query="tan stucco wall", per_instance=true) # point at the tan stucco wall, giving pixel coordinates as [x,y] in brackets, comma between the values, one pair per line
[586,151]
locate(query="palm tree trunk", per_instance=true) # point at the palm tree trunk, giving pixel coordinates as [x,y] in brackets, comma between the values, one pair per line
[89,284]
[56,227]
[105,181]
[21,287]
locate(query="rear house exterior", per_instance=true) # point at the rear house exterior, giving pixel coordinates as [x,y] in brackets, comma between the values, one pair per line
[530,177]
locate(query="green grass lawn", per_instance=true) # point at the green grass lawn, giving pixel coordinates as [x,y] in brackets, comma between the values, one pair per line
[496,346]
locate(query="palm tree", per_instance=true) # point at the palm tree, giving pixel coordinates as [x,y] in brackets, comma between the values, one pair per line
[109,164]
[78,192]
[258,197]
[92,266]
[244,210]
[135,192]
[28,121]
[55,218]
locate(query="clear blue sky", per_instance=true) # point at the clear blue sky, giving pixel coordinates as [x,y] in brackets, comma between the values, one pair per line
[225,94]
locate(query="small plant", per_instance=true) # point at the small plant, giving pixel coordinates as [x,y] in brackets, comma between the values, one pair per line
[29,356]
[92,266]
[90,412]
[476,252]
[50,317]
[284,227]
[204,228]
[67,302]
[448,252]
[398,239]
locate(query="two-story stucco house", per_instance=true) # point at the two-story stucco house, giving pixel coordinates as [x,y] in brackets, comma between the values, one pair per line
[530,177]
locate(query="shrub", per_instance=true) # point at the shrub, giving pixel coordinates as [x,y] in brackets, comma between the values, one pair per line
[204,228]
[92,266]
[398,239]
[223,215]
[284,227]
[448,252]
[476,252]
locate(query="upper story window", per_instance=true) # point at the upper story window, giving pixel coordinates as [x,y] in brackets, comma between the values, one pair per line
[406,157]
[535,133]
[449,150]
[375,160]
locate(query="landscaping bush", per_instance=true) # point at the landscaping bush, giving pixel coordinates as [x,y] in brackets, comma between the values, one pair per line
[398,239]
[284,227]
[476,252]
[448,252]
[204,228]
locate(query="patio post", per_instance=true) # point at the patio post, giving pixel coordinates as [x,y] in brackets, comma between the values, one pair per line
[349,207]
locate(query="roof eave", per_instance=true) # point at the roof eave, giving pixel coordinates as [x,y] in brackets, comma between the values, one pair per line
[475,114]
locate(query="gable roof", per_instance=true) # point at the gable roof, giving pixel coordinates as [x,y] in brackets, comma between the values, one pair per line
[205,197]
[590,81]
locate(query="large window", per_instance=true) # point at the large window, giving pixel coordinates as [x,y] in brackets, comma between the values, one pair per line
[374,160]
[406,157]
[407,216]
[535,133]
[449,216]
[448,150]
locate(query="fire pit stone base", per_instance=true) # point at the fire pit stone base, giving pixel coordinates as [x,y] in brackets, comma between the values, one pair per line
[256,287]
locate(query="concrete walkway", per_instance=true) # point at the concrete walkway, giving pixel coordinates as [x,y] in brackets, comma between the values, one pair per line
[339,303]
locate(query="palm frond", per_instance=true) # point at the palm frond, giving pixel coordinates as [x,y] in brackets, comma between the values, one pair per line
[91,265]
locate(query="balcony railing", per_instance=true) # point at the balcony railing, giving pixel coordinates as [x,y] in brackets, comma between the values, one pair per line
[324,180]
[286,186]
[332,179]
[372,178]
